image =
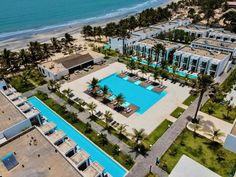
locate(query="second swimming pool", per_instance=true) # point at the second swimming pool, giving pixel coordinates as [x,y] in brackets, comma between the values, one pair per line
[133,93]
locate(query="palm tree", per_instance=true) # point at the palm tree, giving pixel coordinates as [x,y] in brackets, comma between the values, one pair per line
[6,57]
[68,38]
[24,57]
[94,85]
[203,84]
[124,34]
[102,139]
[91,107]
[158,48]
[138,135]
[56,44]
[120,100]
[229,108]
[51,85]
[131,65]
[87,31]
[156,75]
[149,61]
[216,134]
[105,91]
[121,129]
[67,92]
[143,70]
[46,50]
[107,117]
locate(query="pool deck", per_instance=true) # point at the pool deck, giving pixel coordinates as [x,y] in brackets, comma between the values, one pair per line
[151,118]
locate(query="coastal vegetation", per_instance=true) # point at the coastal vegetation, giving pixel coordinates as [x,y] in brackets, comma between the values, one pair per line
[25,59]
[207,152]
[98,139]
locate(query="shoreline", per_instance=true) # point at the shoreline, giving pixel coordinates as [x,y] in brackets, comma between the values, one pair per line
[21,40]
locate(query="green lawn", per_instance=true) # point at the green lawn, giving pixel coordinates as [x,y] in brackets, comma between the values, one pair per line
[122,158]
[189,100]
[27,80]
[157,133]
[177,112]
[202,150]
[20,84]
[218,110]
[150,175]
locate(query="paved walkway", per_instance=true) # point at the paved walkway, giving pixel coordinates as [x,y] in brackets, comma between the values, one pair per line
[142,165]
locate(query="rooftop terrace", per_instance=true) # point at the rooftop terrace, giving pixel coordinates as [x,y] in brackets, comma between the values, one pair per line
[205,53]
[152,42]
[9,114]
[216,43]
[93,170]
[233,131]
[36,157]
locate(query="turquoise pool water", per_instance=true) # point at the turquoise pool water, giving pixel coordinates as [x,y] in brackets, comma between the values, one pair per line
[96,154]
[180,73]
[134,94]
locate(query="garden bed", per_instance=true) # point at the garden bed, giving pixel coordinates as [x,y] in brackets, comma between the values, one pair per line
[177,112]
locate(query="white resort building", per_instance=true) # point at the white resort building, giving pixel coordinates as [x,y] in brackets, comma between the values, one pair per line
[137,35]
[56,69]
[215,45]
[145,48]
[201,60]
[230,142]
[16,114]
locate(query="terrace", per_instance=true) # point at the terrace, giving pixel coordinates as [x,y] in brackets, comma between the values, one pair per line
[94,170]
[9,114]
[36,156]
[67,146]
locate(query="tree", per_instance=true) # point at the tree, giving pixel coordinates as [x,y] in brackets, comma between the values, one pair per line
[23,56]
[121,129]
[68,38]
[87,31]
[156,75]
[110,29]
[91,107]
[56,44]
[108,117]
[149,61]
[102,139]
[216,134]
[51,85]
[46,50]
[143,70]
[158,48]
[105,91]
[123,33]
[93,84]
[120,100]
[131,65]
[229,108]
[138,135]
[203,84]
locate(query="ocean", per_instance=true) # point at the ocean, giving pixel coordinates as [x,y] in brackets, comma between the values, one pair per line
[22,17]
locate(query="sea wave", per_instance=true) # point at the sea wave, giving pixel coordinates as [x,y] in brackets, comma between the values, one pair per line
[115,13]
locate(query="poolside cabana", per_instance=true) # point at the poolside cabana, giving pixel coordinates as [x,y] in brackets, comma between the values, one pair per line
[94,170]
[48,128]
[68,147]
[57,137]
[81,159]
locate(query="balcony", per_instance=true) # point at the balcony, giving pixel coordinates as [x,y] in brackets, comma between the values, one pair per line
[32,113]
[9,91]
[14,96]
[25,107]
[19,101]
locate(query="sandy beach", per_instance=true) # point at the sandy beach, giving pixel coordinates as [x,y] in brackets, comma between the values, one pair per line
[21,41]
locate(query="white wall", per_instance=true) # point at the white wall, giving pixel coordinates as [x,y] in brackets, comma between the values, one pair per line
[51,75]
[2,84]
[17,128]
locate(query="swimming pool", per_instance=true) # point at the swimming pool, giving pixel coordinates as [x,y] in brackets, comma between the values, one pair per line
[96,154]
[134,94]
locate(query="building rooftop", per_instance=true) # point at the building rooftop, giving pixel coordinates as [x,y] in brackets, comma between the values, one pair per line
[152,42]
[79,157]
[193,28]
[47,127]
[93,170]
[187,167]
[71,61]
[56,136]
[9,114]
[36,157]
[145,30]
[204,53]
[233,131]
[67,146]
[216,43]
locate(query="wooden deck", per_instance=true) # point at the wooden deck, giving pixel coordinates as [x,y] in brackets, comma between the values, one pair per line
[144,84]
[158,89]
